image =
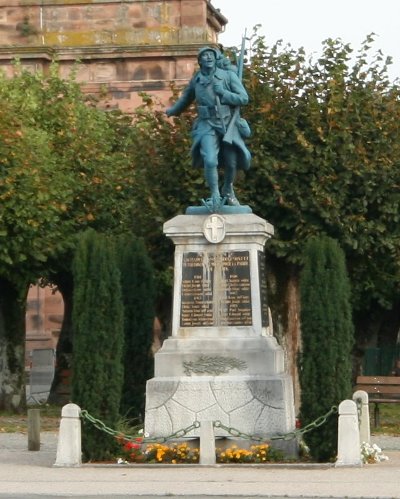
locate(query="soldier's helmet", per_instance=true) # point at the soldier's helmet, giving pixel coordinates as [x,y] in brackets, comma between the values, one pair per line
[206,49]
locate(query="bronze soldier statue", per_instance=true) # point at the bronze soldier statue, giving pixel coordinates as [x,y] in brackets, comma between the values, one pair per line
[218,131]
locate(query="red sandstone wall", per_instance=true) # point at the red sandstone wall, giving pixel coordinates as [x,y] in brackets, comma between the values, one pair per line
[125,46]
[102,22]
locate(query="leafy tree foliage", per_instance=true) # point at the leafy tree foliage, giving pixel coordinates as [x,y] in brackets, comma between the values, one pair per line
[326,158]
[31,204]
[59,156]
[138,289]
[98,325]
[64,167]
[327,340]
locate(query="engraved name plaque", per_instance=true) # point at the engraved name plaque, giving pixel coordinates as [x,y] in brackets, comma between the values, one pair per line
[216,289]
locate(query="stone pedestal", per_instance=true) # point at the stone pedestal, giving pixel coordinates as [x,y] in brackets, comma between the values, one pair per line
[221,362]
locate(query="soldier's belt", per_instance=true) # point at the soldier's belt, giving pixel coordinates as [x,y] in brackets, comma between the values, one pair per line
[209,112]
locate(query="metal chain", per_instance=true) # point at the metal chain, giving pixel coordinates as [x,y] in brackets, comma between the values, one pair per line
[358,402]
[177,434]
[287,436]
[316,423]
[97,423]
[236,433]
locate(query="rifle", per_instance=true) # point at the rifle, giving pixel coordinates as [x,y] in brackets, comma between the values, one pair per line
[228,136]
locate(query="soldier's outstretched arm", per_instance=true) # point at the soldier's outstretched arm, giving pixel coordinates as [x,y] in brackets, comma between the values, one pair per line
[184,101]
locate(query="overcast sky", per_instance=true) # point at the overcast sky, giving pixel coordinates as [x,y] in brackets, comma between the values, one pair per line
[306,23]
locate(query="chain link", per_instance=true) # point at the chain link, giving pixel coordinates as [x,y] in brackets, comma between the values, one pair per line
[217,424]
[287,436]
[97,423]
[236,433]
[358,402]
[177,434]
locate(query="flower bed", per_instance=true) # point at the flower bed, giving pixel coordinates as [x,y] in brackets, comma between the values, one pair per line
[135,451]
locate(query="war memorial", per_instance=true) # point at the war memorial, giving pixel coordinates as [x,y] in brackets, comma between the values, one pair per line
[221,363]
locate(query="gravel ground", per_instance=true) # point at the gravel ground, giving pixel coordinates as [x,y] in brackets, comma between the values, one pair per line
[386,442]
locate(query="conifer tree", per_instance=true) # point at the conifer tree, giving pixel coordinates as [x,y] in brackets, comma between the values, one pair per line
[327,339]
[97,341]
[137,280]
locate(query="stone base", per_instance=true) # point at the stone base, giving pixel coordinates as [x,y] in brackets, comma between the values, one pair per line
[255,405]
[256,356]
[220,364]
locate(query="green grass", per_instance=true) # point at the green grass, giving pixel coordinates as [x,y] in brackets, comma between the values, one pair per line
[389,418]
[18,423]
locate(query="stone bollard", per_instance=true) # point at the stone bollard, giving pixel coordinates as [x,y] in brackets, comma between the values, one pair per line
[365,432]
[69,437]
[349,452]
[207,443]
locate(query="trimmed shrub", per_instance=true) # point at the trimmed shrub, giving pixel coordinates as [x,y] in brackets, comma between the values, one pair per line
[325,362]
[138,289]
[97,341]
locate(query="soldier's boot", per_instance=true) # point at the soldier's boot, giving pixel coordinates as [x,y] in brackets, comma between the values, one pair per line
[228,195]
[215,201]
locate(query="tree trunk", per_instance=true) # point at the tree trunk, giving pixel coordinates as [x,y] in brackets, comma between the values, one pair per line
[60,391]
[284,301]
[12,346]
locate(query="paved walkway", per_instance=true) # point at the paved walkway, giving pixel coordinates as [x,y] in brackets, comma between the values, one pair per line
[26,473]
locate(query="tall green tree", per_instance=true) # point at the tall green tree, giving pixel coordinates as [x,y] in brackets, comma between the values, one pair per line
[98,340]
[325,364]
[138,290]
[326,156]
[32,205]
[64,167]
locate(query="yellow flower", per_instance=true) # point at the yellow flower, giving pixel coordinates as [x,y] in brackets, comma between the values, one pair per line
[160,454]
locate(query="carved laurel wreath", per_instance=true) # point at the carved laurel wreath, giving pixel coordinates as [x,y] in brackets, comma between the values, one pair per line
[205,364]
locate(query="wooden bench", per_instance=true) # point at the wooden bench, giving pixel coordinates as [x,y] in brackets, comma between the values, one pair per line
[381,390]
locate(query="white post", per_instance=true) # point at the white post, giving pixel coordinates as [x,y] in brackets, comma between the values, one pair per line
[349,452]
[69,437]
[207,443]
[361,398]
